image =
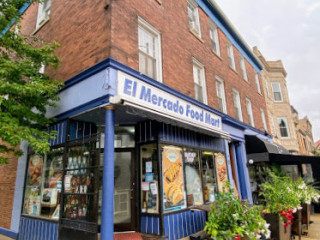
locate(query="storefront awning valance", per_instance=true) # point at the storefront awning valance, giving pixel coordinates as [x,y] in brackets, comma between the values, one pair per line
[257,145]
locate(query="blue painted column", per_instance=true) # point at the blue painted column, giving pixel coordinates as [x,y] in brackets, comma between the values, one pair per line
[246,172]
[108,176]
[240,165]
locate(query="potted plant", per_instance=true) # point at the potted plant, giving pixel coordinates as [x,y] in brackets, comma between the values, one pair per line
[281,201]
[307,194]
[230,219]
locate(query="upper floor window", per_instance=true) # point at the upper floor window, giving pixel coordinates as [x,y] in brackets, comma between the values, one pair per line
[283,127]
[149,50]
[258,82]
[237,104]
[43,12]
[199,82]
[232,64]
[263,117]
[221,95]
[276,89]
[267,86]
[193,15]
[250,113]
[213,31]
[243,68]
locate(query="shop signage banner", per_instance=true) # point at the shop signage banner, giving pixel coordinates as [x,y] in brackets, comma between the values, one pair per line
[221,166]
[143,94]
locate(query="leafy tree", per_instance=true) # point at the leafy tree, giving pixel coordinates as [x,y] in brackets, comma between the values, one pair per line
[24,91]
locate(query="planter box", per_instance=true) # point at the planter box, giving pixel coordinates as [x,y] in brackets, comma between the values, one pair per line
[306,212]
[297,223]
[278,231]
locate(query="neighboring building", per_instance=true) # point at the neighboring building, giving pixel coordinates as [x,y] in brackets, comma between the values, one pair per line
[317,147]
[304,134]
[278,105]
[158,99]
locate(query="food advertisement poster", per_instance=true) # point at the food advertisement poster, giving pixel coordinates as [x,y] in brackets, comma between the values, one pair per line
[35,170]
[173,181]
[221,170]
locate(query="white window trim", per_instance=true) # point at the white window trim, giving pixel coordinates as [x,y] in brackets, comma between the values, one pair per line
[243,68]
[274,91]
[263,118]
[149,28]
[232,64]
[196,63]
[41,17]
[250,112]
[218,79]
[287,126]
[234,91]
[258,82]
[267,86]
[215,37]
[197,28]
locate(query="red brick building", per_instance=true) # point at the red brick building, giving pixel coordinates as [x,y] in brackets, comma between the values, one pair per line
[184,51]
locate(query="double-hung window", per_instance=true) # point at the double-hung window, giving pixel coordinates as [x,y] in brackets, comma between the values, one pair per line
[249,111]
[221,95]
[43,12]
[283,127]
[263,118]
[193,15]
[243,68]
[199,82]
[232,63]
[149,50]
[276,89]
[258,82]
[214,37]
[237,104]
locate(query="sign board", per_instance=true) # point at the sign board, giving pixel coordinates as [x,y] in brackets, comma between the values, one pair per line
[153,99]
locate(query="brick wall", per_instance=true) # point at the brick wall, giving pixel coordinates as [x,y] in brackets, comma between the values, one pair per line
[90,31]
[178,46]
[7,187]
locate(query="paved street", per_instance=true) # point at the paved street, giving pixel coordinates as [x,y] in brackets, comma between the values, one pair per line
[314,229]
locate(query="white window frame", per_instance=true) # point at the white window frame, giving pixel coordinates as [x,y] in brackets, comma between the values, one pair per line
[263,118]
[223,95]
[256,76]
[287,126]
[273,91]
[237,103]
[194,20]
[231,61]
[267,86]
[214,37]
[149,29]
[44,9]
[243,68]
[199,79]
[250,112]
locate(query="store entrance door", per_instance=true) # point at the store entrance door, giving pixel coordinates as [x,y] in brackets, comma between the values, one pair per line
[124,190]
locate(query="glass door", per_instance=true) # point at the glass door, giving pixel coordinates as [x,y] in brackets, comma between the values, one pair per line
[124,190]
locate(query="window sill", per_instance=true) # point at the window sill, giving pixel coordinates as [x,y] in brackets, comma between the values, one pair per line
[196,35]
[218,56]
[40,26]
[235,71]
[40,218]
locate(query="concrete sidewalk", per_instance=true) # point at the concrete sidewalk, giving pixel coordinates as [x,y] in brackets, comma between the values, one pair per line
[4,237]
[314,228]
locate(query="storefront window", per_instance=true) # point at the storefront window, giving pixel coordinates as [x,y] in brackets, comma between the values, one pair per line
[307,173]
[291,171]
[193,177]
[124,137]
[209,176]
[173,179]
[43,187]
[149,179]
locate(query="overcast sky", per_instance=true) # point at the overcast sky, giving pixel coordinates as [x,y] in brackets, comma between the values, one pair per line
[288,30]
